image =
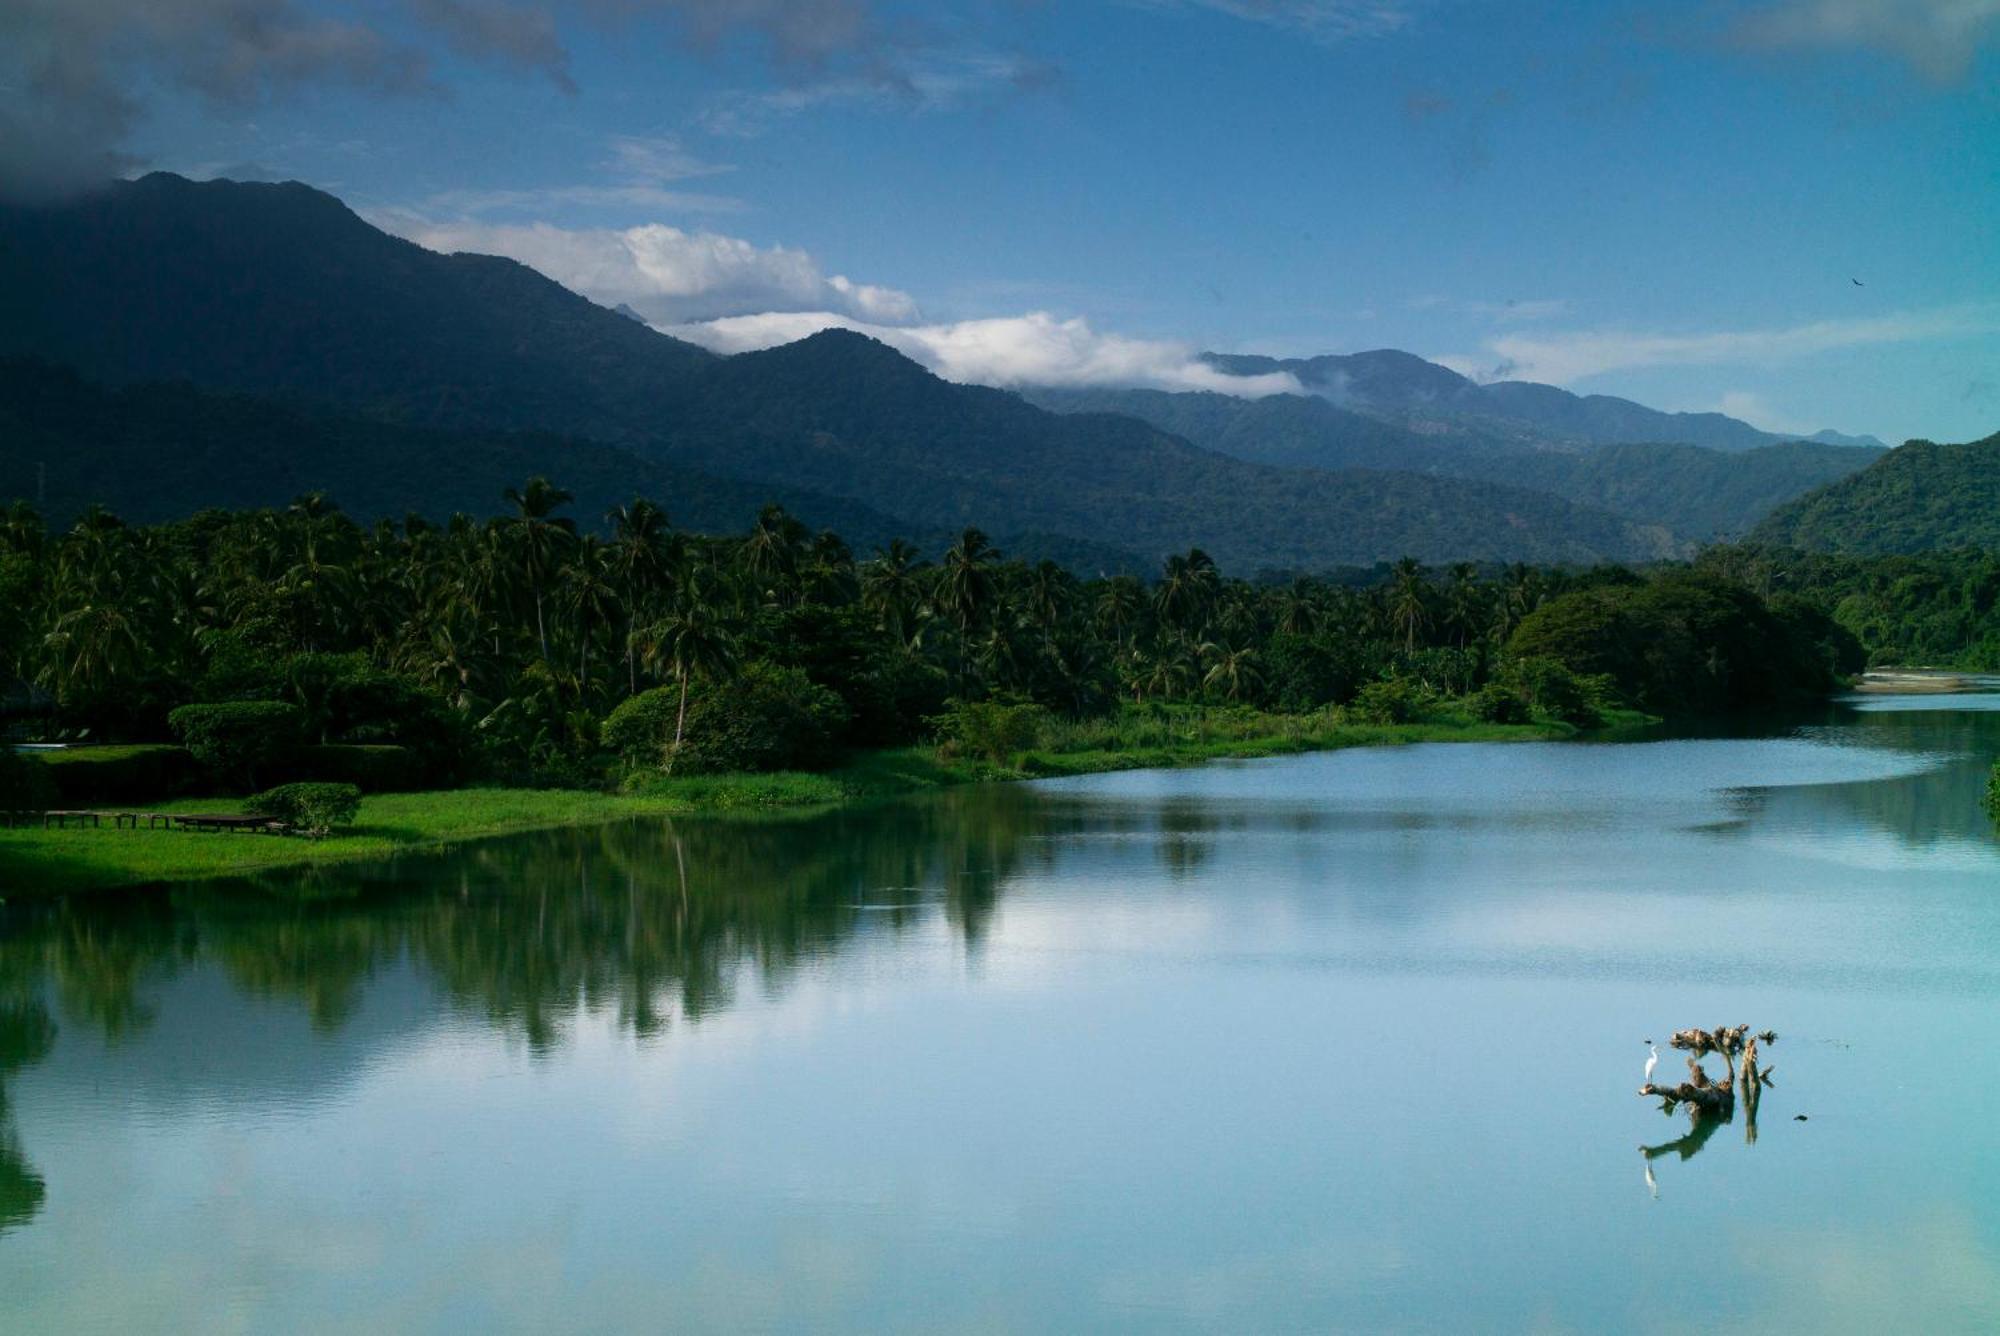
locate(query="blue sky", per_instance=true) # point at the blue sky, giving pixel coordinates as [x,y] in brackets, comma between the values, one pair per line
[1621,199]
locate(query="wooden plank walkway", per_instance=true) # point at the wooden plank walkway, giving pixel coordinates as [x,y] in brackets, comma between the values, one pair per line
[60,819]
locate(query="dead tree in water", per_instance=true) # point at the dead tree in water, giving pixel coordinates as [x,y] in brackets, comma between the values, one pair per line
[1706,1099]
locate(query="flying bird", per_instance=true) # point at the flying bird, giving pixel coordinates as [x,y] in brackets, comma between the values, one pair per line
[1857,283]
[1652,1062]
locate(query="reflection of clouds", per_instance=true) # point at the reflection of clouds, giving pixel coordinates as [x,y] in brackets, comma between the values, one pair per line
[1935,1274]
[1256,1289]
[1878,850]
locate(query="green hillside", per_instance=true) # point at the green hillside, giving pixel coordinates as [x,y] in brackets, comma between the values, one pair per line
[1694,492]
[1923,497]
[282,290]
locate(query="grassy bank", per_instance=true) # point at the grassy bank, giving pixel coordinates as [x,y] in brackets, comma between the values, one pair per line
[53,861]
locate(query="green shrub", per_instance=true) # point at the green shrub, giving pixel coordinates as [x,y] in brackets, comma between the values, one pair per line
[235,740]
[90,776]
[1496,704]
[997,730]
[25,783]
[641,729]
[1550,689]
[312,809]
[764,718]
[893,699]
[1395,701]
[1993,792]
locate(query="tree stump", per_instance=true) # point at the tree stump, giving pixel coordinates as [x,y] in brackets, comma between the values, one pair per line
[1707,1099]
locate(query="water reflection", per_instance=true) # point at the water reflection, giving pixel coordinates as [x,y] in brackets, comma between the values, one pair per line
[750,1021]
[26,1035]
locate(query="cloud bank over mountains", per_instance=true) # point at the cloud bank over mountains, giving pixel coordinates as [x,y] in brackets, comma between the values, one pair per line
[667,275]
[1005,351]
[1563,357]
[730,295]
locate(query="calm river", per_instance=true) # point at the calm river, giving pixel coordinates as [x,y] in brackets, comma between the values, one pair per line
[1341,1042]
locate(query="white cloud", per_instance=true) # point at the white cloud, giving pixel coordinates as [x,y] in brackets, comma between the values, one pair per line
[641,173]
[1033,349]
[929,81]
[1565,357]
[1937,38]
[1748,406]
[665,274]
[732,295]
[1325,20]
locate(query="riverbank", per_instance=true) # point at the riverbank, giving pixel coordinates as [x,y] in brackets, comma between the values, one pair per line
[35,861]
[1921,682]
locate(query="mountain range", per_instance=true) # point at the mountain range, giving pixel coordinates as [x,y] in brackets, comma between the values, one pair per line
[1923,497]
[1403,387]
[1696,493]
[231,342]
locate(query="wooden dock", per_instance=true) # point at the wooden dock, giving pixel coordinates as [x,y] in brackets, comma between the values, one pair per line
[215,822]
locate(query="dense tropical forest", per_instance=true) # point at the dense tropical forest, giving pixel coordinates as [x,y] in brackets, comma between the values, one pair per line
[1928,609]
[534,649]
[1923,497]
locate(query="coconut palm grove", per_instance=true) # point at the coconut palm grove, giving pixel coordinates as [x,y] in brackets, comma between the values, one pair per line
[526,649]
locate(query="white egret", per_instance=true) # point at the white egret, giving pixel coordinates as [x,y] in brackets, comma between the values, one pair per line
[1652,1062]
[1652,1184]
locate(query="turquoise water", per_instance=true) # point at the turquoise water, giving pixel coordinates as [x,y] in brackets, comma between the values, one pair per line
[1340,1042]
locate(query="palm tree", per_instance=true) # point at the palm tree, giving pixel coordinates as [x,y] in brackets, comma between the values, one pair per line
[829,570]
[1120,604]
[643,557]
[1462,600]
[1298,608]
[773,552]
[692,639]
[541,539]
[966,589]
[1232,668]
[966,592]
[93,648]
[891,590]
[1050,590]
[589,599]
[1520,594]
[1187,591]
[1409,601]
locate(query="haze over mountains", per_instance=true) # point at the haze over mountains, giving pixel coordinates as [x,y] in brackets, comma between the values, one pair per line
[317,352]
[1428,397]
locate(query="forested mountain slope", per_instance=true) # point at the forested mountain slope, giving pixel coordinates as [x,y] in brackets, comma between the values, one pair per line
[281,289]
[1921,497]
[1694,492]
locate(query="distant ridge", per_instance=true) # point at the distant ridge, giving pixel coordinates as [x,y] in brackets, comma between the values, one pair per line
[1403,387]
[1694,492]
[280,290]
[1920,497]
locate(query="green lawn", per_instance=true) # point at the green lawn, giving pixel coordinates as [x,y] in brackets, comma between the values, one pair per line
[46,861]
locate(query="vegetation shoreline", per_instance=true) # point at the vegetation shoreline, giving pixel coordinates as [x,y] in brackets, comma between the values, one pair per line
[36,862]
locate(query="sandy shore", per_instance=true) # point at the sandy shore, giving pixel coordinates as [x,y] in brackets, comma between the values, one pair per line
[1917,683]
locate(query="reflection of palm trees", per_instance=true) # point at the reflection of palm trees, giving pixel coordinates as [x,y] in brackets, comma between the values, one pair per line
[26,1035]
[645,921]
